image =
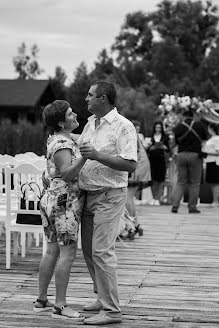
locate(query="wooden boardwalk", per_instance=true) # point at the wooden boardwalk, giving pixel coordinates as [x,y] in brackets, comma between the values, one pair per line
[168,278]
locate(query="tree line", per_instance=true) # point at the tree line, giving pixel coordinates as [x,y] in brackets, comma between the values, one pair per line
[174,49]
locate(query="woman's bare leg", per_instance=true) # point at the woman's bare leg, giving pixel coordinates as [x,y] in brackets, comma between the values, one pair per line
[62,272]
[46,269]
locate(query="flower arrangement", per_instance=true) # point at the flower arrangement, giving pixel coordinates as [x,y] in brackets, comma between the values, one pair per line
[172,106]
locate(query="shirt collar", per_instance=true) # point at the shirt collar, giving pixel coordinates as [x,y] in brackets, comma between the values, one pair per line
[109,117]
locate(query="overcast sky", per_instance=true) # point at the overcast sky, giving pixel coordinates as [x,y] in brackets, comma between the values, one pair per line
[67,32]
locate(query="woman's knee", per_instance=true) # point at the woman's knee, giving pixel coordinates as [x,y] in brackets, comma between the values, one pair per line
[52,249]
[68,252]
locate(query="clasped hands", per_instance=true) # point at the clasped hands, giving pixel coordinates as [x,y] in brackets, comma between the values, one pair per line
[88,151]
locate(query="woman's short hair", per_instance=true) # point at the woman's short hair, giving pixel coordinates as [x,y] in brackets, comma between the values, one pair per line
[54,113]
[106,88]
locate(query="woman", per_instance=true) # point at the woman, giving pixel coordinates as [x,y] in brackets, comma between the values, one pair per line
[61,207]
[157,155]
[212,169]
[138,180]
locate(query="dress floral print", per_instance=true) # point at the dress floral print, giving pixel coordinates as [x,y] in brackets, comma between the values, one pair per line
[61,204]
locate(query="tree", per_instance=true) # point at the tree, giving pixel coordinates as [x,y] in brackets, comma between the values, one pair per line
[209,69]
[169,62]
[104,65]
[133,104]
[208,89]
[106,70]
[26,65]
[58,83]
[77,93]
[170,42]
[135,72]
[134,43]
[190,24]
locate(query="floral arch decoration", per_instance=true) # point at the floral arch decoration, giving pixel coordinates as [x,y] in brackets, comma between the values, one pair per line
[173,106]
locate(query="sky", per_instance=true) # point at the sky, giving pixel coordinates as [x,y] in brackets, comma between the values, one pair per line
[67,32]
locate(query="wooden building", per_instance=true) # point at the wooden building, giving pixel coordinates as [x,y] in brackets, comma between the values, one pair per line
[21,99]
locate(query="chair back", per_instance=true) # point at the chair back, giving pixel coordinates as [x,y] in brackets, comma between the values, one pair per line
[11,163]
[2,180]
[40,163]
[6,160]
[25,182]
[31,155]
[22,158]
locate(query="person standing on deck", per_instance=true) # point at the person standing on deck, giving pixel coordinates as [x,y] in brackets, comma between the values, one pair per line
[109,143]
[189,135]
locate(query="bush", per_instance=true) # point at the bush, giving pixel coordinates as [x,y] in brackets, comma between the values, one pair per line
[21,137]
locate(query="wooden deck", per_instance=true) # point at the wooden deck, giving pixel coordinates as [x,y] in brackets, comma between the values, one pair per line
[168,278]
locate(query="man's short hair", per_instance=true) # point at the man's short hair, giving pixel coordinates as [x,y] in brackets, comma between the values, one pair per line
[106,88]
[54,113]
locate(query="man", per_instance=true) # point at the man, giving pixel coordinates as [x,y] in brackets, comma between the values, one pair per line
[189,136]
[109,143]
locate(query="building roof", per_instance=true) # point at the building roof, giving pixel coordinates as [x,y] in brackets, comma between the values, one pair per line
[21,92]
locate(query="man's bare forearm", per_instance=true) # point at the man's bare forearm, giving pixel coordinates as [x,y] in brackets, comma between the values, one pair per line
[116,163]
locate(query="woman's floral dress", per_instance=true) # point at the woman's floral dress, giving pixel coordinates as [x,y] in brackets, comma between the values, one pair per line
[61,204]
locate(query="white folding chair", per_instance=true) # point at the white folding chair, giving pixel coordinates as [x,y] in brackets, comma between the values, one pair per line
[24,175]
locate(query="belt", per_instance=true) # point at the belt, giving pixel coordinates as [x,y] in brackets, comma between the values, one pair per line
[99,191]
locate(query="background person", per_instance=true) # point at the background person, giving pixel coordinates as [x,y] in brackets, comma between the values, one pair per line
[61,207]
[139,179]
[189,135]
[111,154]
[157,152]
[137,126]
[212,168]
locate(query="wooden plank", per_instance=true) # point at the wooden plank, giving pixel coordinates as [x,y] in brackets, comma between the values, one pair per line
[168,278]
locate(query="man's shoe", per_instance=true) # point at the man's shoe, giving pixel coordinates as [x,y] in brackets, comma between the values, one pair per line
[102,318]
[131,234]
[93,306]
[174,210]
[194,210]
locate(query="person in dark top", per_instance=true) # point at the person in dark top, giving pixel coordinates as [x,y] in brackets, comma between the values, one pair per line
[189,135]
[157,152]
